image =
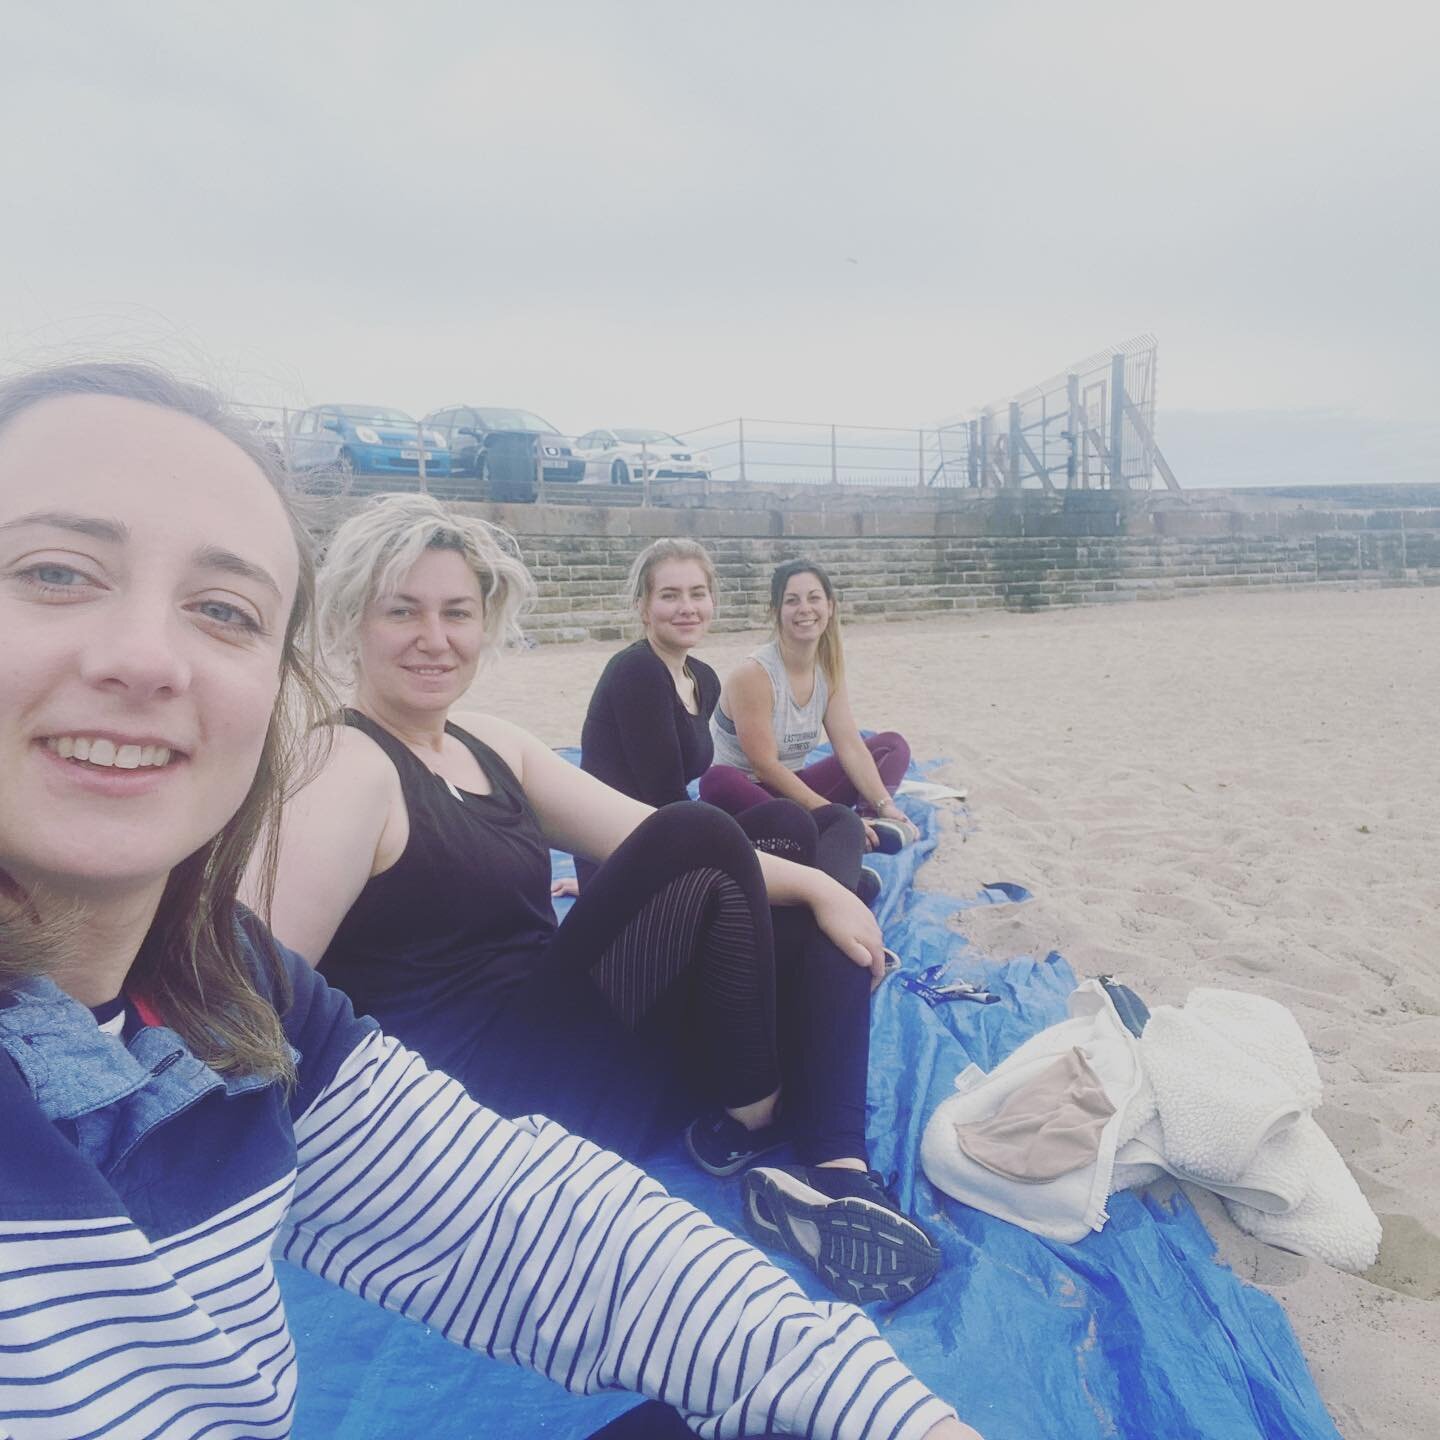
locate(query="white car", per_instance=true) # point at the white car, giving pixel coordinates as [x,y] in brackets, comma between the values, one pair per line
[617,457]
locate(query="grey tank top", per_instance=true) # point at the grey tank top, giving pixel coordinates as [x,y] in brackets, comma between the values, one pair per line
[797,727]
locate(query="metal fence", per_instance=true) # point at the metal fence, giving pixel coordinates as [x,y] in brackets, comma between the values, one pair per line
[799,453]
[1091,427]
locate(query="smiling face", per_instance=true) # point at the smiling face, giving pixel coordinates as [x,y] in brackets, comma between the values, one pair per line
[147,573]
[420,647]
[680,607]
[805,609]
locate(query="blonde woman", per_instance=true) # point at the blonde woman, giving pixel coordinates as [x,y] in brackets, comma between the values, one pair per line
[176,1092]
[774,706]
[647,728]
[415,875]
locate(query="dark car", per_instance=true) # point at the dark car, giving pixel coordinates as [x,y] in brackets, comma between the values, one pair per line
[469,429]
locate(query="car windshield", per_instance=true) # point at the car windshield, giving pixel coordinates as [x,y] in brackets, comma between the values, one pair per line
[371,414]
[646,437]
[494,418]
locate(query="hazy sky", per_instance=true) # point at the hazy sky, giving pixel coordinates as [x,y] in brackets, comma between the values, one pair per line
[670,213]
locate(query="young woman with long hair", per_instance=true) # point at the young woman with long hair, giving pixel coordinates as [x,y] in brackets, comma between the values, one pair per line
[774,706]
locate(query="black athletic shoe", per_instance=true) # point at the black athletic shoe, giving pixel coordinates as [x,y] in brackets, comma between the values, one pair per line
[845,1226]
[720,1144]
[892,835]
[868,886]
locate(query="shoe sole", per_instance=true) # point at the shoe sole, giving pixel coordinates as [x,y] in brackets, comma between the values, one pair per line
[721,1172]
[862,1251]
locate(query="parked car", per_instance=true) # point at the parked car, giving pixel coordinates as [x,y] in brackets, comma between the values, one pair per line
[616,457]
[363,440]
[469,427]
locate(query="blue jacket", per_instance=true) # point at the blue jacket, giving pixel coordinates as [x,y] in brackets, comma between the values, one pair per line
[141,1193]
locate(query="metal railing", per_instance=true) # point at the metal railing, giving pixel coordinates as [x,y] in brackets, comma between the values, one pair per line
[1093,426]
[799,453]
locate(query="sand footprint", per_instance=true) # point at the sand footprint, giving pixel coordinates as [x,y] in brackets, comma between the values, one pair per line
[1409,1260]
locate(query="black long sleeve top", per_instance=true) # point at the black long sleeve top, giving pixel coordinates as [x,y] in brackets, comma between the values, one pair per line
[638,736]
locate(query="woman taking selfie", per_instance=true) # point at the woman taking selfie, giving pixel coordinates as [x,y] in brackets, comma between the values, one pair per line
[174,1088]
[774,706]
[415,873]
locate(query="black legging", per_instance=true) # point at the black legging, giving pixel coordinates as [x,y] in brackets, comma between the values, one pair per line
[830,838]
[658,995]
[823,998]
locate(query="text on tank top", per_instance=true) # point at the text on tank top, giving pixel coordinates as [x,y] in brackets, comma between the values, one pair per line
[796,727]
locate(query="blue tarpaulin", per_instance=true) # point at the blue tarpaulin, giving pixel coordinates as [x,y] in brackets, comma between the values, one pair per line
[1135,1332]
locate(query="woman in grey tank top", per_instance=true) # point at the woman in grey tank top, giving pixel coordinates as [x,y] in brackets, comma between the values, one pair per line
[774,706]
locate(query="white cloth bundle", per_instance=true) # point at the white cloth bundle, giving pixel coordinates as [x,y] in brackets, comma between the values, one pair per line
[1066,1207]
[1234,1083]
[1218,1092]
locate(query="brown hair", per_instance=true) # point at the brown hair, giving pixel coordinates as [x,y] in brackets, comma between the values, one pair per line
[641,579]
[831,651]
[192,967]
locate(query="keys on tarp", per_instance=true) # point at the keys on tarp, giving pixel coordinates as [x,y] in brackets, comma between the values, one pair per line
[930,985]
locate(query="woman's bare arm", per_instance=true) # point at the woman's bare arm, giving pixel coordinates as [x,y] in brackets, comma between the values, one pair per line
[585,816]
[851,751]
[330,836]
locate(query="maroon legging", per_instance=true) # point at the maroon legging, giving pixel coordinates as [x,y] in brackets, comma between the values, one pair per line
[731,789]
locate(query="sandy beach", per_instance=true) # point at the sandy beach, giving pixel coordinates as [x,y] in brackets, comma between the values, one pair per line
[1238,790]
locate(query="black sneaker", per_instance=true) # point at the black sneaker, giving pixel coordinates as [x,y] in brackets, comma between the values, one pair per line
[892,835]
[845,1226]
[719,1144]
[868,886]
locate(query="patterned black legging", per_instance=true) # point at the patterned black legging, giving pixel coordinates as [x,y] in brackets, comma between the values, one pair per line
[658,995]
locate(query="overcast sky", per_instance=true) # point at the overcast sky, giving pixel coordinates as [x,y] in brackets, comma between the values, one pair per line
[671,213]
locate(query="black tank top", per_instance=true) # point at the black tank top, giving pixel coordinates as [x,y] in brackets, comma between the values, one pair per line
[434,944]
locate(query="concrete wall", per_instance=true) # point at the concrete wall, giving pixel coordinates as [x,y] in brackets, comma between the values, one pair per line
[897,557]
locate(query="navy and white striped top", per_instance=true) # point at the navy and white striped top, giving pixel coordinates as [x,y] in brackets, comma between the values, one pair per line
[140,1194]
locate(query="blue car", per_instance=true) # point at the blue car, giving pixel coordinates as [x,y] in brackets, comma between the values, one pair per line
[364,440]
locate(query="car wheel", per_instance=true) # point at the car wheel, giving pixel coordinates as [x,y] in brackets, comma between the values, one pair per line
[619,473]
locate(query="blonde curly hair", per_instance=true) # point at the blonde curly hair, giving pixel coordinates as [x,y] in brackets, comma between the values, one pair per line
[373,551]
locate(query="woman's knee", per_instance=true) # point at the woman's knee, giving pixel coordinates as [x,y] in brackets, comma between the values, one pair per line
[781,827]
[891,752]
[691,835]
[835,820]
[726,787]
